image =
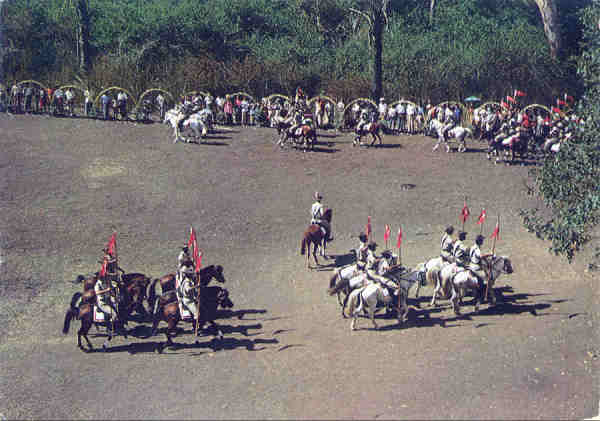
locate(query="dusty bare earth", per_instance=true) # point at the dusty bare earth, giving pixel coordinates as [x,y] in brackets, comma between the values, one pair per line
[66,184]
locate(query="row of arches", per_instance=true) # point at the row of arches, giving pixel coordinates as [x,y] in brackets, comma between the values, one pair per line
[134,103]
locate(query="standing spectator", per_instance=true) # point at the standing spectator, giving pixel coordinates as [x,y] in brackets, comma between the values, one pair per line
[160,102]
[355,112]
[457,114]
[28,98]
[410,117]
[339,114]
[88,102]
[228,109]
[245,106]
[252,111]
[237,110]
[382,108]
[122,104]
[104,101]
[14,95]
[69,100]
[327,116]
[391,118]
[209,102]
[401,111]
[219,102]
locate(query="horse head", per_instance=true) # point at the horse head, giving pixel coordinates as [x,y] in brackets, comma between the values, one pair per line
[328,214]
[218,274]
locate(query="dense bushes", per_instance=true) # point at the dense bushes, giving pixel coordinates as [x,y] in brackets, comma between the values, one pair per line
[569,183]
[480,47]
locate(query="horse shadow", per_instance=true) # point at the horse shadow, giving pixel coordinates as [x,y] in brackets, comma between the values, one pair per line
[344,259]
[241,313]
[386,146]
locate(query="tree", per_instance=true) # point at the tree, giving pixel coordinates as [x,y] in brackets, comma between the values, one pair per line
[549,13]
[82,10]
[568,182]
[374,12]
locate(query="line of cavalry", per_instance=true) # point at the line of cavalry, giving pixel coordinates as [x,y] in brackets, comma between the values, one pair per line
[510,132]
[364,285]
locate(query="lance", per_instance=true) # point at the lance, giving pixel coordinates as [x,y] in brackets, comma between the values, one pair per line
[495,236]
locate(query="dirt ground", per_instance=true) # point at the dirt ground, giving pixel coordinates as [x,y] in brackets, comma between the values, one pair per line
[287,353]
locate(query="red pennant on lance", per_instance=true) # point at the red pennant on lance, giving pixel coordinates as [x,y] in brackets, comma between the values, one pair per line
[511,99]
[464,214]
[368,229]
[556,110]
[569,98]
[386,234]
[560,102]
[482,216]
[111,246]
[504,104]
[399,240]
[496,232]
[193,244]
[519,93]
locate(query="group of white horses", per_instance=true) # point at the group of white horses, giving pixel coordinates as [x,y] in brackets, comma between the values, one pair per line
[364,296]
[200,123]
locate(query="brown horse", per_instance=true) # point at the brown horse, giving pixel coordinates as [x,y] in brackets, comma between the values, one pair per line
[305,133]
[211,298]
[373,129]
[134,289]
[314,235]
[167,282]
[85,313]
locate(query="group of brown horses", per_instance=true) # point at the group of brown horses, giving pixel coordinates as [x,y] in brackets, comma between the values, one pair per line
[133,289]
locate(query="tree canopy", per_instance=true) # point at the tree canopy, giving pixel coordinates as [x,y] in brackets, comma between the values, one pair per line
[469,47]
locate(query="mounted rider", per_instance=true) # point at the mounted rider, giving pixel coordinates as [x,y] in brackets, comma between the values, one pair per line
[362,251]
[459,251]
[475,259]
[372,265]
[317,211]
[187,292]
[184,265]
[106,300]
[363,120]
[447,245]
[449,123]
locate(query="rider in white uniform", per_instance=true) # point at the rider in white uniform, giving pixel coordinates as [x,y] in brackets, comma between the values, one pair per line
[317,212]
[187,291]
[460,252]
[447,245]
[371,268]
[475,259]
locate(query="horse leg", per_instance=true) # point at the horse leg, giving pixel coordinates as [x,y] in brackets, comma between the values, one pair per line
[315,248]
[455,301]
[217,328]
[371,311]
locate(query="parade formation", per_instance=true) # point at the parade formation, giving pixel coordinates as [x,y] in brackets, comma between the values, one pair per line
[512,129]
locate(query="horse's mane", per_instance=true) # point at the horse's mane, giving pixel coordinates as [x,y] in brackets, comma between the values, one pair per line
[328,214]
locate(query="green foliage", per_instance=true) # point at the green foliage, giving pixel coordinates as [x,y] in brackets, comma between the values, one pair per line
[569,183]
[481,47]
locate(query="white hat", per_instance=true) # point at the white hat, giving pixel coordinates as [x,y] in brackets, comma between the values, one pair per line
[381,99]
[318,196]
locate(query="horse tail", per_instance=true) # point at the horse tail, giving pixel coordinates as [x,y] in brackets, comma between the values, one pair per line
[72,312]
[338,287]
[333,278]
[303,246]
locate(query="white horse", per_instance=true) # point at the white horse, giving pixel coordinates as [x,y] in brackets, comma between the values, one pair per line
[197,123]
[458,133]
[456,281]
[173,117]
[428,268]
[365,300]
[346,279]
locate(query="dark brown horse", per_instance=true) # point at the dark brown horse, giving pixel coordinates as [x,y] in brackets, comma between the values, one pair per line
[167,282]
[305,134]
[134,289]
[85,313]
[211,298]
[314,235]
[373,129]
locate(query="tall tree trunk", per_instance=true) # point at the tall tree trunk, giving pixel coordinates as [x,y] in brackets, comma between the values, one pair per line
[83,30]
[2,44]
[431,10]
[549,13]
[377,34]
